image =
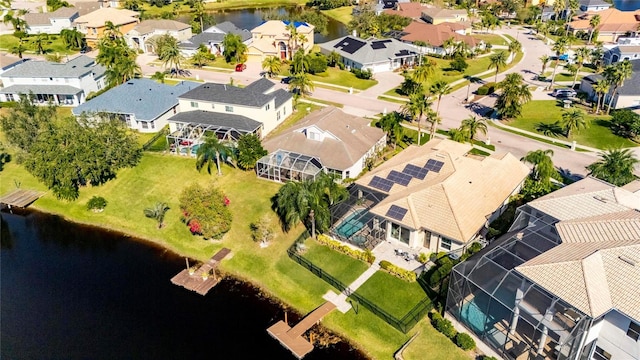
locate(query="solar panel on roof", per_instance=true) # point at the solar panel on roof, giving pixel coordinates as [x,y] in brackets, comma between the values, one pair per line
[381,184]
[378,45]
[399,178]
[349,45]
[415,171]
[434,165]
[396,212]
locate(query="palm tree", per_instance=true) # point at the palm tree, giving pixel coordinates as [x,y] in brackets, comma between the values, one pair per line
[39,43]
[558,7]
[19,49]
[434,119]
[616,75]
[601,87]
[573,71]
[573,120]
[201,57]
[498,61]
[234,48]
[439,89]
[157,212]
[199,12]
[300,62]
[560,47]
[159,76]
[272,65]
[16,21]
[615,166]
[514,94]
[474,125]
[169,53]
[72,38]
[293,38]
[391,123]
[417,106]
[582,53]
[514,47]
[459,135]
[545,60]
[448,46]
[211,151]
[593,23]
[422,73]
[301,84]
[543,168]
[111,30]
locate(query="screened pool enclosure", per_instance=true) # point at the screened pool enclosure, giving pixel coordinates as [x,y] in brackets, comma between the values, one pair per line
[283,166]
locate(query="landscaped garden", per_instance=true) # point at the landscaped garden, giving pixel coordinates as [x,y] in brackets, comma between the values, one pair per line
[341,266]
[597,134]
[393,295]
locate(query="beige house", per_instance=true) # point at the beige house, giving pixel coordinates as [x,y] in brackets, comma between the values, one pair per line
[93,24]
[436,15]
[142,36]
[614,23]
[438,197]
[273,38]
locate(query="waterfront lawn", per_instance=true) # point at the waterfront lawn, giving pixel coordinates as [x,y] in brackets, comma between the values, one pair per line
[598,134]
[52,46]
[342,267]
[151,11]
[394,295]
[431,344]
[344,78]
[341,14]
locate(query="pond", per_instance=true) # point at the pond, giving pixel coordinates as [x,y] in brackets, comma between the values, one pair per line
[626,5]
[250,18]
[75,292]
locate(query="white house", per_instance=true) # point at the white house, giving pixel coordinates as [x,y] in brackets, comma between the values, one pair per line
[626,96]
[144,105]
[594,5]
[51,23]
[66,84]
[212,38]
[622,52]
[143,35]
[342,143]
[371,54]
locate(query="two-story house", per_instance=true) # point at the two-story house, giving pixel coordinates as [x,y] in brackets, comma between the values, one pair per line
[143,36]
[273,38]
[93,24]
[213,37]
[436,15]
[51,23]
[66,84]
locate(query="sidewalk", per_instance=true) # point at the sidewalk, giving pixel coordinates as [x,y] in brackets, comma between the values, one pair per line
[340,300]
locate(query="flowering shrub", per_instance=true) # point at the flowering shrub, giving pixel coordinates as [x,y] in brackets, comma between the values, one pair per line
[205,211]
[194,227]
[403,274]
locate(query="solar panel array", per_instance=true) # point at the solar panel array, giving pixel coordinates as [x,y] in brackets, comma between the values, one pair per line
[349,45]
[379,44]
[381,183]
[415,171]
[396,212]
[434,165]
[399,178]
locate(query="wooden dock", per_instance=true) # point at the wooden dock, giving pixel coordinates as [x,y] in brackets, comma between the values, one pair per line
[20,198]
[199,282]
[291,337]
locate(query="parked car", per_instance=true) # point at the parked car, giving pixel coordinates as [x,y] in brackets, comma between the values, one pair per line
[286,80]
[241,67]
[563,57]
[564,93]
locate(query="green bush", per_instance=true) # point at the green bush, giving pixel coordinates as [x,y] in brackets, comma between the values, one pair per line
[458,64]
[362,74]
[205,210]
[96,203]
[465,342]
[487,89]
[318,63]
[443,325]
[396,271]
[366,256]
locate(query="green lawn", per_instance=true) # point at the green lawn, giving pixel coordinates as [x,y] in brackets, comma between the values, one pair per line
[52,46]
[492,39]
[341,266]
[344,78]
[431,344]
[154,11]
[398,297]
[341,14]
[597,135]
[563,76]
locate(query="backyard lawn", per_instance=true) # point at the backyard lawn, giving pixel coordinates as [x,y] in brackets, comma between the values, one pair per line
[597,134]
[341,14]
[398,296]
[54,45]
[340,266]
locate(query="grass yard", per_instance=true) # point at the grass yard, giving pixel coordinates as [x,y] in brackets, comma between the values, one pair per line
[52,46]
[341,14]
[341,266]
[492,39]
[155,12]
[220,62]
[597,134]
[344,78]
[563,76]
[301,110]
[398,297]
[431,344]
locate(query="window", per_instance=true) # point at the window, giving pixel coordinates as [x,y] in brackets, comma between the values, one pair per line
[347,174]
[228,108]
[445,244]
[600,354]
[399,233]
[153,124]
[10,97]
[145,125]
[634,331]
[278,116]
[266,107]
[284,110]
[194,104]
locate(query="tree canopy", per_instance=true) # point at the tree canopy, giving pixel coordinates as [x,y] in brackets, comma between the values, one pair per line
[615,167]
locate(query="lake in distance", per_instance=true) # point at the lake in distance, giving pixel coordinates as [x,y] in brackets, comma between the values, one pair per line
[627,5]
[76,292]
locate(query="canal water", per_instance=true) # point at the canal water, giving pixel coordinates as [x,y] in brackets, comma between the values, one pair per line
[627,5]
[250,18]
[74,292]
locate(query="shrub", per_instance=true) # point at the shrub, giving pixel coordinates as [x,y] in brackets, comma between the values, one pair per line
[317,63]
[362,74]
[443,325]
[366,256]
[487,89]
[341,66]
[96,203]
[208,208]
[458,64]
[625,123]
[465,342]
[485,357]
[396,271]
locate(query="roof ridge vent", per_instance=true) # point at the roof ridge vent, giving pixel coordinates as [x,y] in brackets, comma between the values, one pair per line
[628,260]
[440,155]
[600,198]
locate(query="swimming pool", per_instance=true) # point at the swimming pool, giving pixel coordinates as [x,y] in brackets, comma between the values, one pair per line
[353,223]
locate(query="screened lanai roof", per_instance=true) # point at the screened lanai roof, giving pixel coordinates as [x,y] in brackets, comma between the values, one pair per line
[286,160]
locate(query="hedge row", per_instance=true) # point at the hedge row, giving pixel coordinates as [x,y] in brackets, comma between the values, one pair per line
[403,274]
[463,340]
[365,256]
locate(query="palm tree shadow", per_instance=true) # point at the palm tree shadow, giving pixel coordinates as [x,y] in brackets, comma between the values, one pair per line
[553,130]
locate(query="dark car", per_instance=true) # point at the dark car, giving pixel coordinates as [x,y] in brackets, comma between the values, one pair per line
[241,67]
[286,80]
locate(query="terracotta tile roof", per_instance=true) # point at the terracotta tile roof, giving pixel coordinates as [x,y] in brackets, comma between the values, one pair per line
[116,16]
[350,138]
[438,13]
[456,201]
[411,10]
[436,35]
[611,20]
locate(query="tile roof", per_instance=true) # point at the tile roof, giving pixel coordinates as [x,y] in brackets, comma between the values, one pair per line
[98,17]
[623,225]
[279,27]
[631,86]
[41,89]
[230,121]
[230,28]
[611,20]
[85,7]
[147,26]
[261,85]
[369,51]
[282,96]
[438,13]
[435,35]
[411,10]
[456,201]
[214,37]
[349,138]
[74,68]
[35,19]
[229,94]
[144,98]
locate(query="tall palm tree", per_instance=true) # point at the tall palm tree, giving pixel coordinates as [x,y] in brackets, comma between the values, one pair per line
[391,123]
[558,7]
[19,49]
[211,151]
[111,30]
[615,166]
[572,69]
[434,119]
[593,23]
[300,62]
[498,61]
[425,70]
[293,38]
[169,53]
[616,75]
[448,46]
[573,120]
[543,168]
[439,89]
[417,106]
[157,212]
[159,76]
[301,84]
[545,60]
[601,87]
[582,53]
[272,65]
[514,94]
[39,41]
[560,47]
[473,125]
[199,12]
[514,47]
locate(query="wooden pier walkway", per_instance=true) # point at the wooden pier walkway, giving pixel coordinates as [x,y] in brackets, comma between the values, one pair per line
[196,281]
[291,337]
[20,198]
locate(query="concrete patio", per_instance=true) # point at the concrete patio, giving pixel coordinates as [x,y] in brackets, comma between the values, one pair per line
[387,251]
